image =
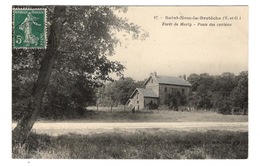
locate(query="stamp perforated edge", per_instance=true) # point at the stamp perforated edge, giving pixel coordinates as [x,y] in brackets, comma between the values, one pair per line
[45,27]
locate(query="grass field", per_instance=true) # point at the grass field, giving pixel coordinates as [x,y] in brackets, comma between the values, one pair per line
[155,116]
[140,143]
[143,144]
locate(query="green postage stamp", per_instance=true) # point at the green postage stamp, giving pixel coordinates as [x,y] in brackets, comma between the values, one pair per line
[29,28]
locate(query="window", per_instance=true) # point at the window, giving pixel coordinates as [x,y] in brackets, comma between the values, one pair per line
[137,101]
[165,89]
[137,95]
[151,80]
[183,91]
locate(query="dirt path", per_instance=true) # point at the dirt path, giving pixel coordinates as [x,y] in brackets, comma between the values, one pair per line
[90,128]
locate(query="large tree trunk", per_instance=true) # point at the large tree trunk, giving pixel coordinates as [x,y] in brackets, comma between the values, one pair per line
[24,126]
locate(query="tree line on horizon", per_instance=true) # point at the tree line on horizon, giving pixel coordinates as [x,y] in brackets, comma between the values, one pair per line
[226,93]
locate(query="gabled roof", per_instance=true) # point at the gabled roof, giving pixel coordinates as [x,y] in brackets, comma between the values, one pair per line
[144,92]
[169,80]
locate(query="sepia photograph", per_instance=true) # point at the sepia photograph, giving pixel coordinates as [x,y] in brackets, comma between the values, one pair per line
[129,82]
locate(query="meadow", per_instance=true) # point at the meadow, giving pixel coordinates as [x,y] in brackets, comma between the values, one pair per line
[118,115]
[140,143]
[143,144]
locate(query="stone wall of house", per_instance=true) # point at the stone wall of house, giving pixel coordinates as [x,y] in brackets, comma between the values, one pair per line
[152,84]
[138,101]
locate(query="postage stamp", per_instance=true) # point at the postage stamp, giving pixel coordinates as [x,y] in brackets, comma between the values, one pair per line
[29,28]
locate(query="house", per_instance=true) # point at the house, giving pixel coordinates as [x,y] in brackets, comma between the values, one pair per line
[155,87]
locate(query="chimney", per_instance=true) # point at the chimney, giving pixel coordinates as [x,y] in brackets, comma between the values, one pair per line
[184,77]
[155,74]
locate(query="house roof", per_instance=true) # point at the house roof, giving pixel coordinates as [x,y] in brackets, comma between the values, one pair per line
[145,92]
[169,80]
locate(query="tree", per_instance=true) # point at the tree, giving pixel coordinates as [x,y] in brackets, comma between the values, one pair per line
[79,41]
[224,93]
[140,84]
[67,96]
[201,87]
[221,90]
[106,95]
[123,88]
[174,99]
[194,80]
[117,92]
[239,94]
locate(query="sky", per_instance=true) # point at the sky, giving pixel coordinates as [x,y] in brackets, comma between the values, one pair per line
[177,50]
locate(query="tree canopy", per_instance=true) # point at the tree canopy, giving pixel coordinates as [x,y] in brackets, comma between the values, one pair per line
[225,93]
[174,99]
[80,39]
[117,92]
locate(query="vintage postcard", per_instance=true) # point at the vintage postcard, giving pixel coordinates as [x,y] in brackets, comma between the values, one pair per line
[130,82]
